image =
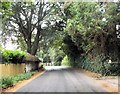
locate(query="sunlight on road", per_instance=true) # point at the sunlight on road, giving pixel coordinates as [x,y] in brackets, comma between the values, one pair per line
[48,68]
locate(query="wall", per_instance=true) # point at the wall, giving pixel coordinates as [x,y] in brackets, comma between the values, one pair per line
[31,66]
[11,69]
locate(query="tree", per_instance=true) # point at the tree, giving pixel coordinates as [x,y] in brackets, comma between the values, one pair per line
[5,10]
[88,30]
[30,21]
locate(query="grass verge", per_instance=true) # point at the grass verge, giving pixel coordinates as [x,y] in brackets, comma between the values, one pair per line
[9,81]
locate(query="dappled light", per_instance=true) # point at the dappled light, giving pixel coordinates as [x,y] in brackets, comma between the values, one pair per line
[61,46]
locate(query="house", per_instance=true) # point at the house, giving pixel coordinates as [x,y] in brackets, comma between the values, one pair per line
[31,63]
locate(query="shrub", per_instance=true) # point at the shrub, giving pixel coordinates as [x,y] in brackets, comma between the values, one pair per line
[12,56]
[23,76]
[6,82]
[11,80]
[100,65]
[6,55]
[114,68]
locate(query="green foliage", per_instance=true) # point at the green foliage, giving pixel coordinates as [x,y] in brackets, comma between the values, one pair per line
[12,56]
[47,15]
[11,80]
[53,55]
[83,18]
[71,50]
[100,65]
[5,10]
[65,61]
[58,58]
[114,68]
[46,59]
[6,82]
[23,76]
[89,35]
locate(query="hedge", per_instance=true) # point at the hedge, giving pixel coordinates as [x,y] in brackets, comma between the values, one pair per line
[101,65]
[12,56]
[9,81]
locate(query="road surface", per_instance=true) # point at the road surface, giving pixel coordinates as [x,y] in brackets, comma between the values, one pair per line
[62,80]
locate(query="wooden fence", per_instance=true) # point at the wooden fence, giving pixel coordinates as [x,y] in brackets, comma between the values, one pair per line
[11,69]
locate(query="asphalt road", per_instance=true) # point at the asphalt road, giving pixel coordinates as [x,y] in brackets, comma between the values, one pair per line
[62,80]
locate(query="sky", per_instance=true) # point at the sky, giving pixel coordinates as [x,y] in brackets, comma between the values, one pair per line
[10,46]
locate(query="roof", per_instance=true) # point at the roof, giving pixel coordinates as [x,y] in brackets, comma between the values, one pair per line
[31,58]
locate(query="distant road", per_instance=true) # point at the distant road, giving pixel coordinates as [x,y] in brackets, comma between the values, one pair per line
[58,79]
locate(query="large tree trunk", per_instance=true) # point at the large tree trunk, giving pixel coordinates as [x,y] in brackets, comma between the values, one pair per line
[36,43]
[28,42]
[28,46]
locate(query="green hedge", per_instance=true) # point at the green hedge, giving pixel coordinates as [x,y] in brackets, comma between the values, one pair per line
[12,56]
[6,82]
[100,65]
[12,80]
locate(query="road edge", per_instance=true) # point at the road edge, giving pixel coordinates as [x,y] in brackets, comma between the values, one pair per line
[96,77]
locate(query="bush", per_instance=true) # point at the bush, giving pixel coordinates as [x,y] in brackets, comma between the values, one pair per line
[23,76]
[7,82]
[11,80]
[12,56]
[100,65]
[115,69]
